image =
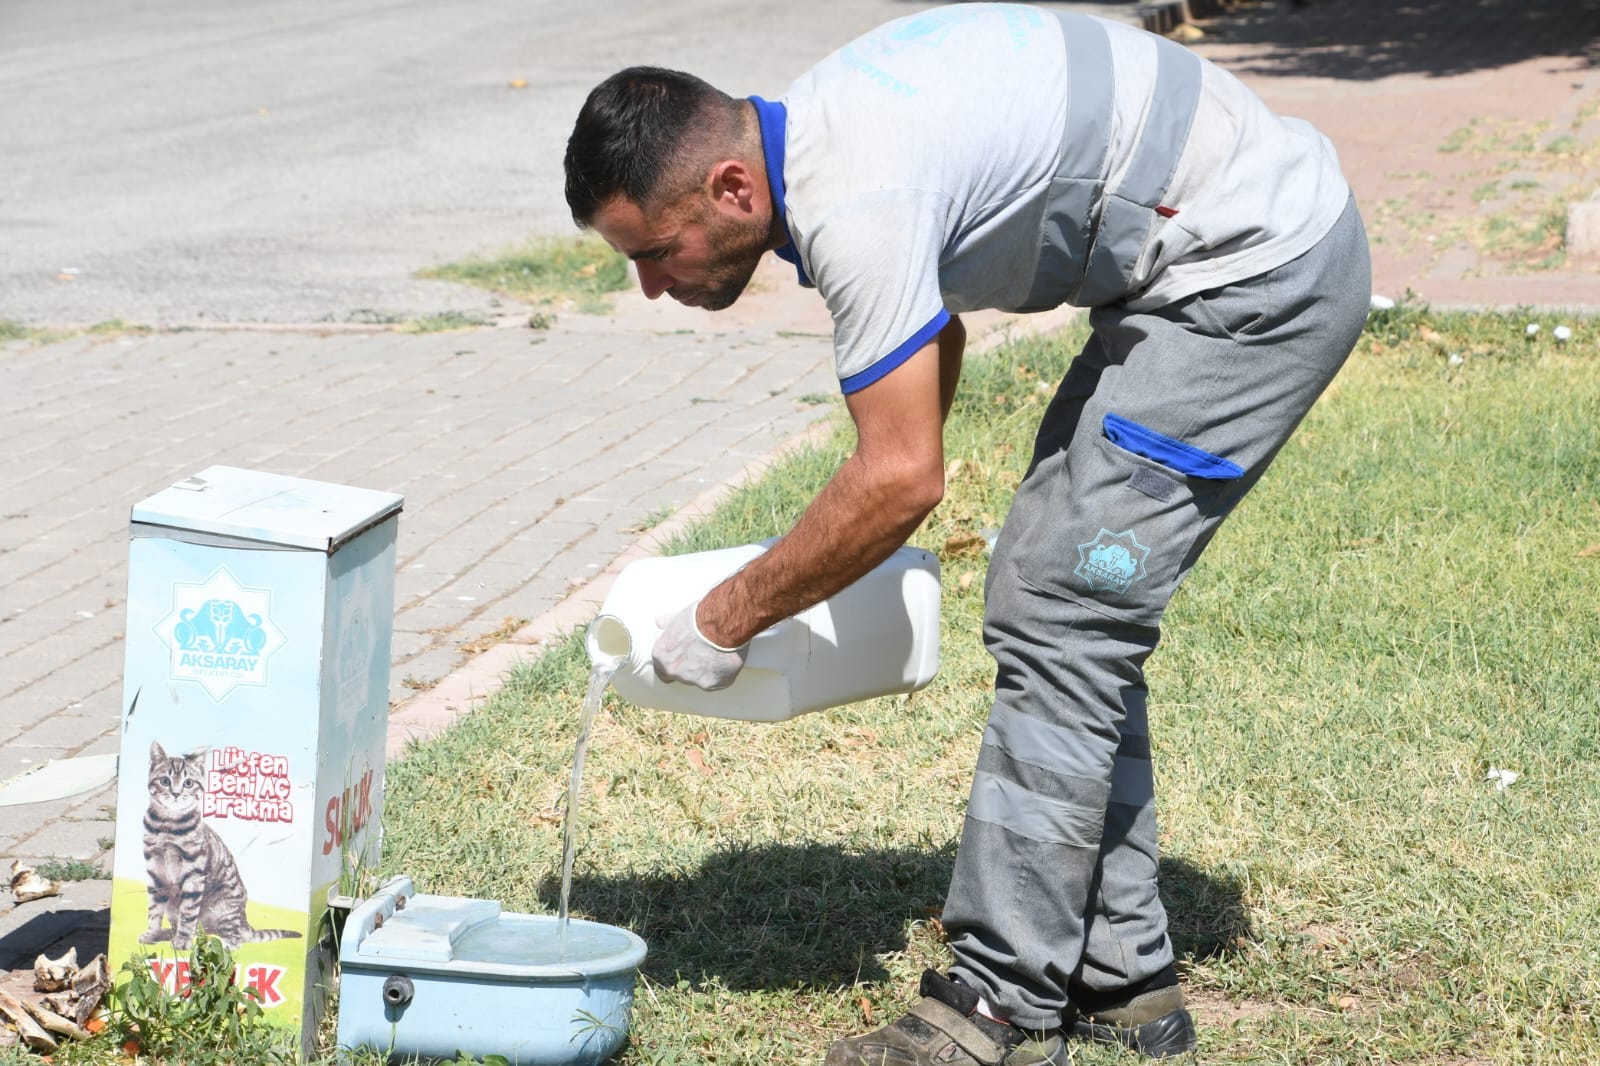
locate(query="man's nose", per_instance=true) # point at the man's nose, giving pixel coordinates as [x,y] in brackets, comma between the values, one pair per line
[652,279]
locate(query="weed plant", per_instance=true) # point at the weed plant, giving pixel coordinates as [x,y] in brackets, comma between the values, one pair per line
[14,331]
[582,271]
[216,1021]
[71,870]
[445,322]
[30,336]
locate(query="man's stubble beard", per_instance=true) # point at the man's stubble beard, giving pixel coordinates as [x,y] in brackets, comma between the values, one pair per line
[738,252]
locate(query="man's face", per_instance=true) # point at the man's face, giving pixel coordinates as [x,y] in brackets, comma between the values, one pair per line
[692,251]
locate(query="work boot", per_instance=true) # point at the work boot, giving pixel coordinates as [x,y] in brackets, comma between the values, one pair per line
[1149,1018]
[945,1030]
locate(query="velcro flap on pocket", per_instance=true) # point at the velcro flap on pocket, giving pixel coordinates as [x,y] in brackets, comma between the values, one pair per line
[1184,458]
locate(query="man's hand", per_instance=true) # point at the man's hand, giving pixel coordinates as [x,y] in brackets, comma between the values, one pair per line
[682,653]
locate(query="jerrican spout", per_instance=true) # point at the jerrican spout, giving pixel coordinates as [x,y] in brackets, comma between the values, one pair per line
[608,641]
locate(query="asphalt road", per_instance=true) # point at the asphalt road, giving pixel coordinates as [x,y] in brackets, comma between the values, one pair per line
[296,161]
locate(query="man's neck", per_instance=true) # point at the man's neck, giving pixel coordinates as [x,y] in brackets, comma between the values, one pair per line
[777,234]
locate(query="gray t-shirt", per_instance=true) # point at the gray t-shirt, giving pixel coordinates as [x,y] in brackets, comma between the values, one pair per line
[912,167]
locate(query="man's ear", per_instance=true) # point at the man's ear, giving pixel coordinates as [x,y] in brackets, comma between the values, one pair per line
[733,185]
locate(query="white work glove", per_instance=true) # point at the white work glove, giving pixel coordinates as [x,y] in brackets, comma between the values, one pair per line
[682,653]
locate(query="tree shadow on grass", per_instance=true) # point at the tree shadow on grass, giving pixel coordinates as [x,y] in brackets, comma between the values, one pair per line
[1366,39]
[1205,911]
[773,915]
[765,916]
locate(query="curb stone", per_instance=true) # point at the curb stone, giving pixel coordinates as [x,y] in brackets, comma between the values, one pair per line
[1583,228]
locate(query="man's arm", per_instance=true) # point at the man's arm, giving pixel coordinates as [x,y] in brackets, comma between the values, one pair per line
[875,501]
[952,341]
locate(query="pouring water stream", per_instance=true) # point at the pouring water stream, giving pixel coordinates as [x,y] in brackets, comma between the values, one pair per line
[599,679]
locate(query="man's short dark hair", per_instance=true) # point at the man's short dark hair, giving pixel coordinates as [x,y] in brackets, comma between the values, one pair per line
[640,134]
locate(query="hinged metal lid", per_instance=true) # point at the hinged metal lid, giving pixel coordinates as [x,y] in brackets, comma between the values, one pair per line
[229,503]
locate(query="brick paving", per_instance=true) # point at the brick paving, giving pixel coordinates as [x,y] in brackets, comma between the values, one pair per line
[529,460]
[1450,118]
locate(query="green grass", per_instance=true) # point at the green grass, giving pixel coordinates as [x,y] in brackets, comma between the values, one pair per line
[115,327]
[71,870]
[445,322]
[1401,605]
[1534,241]
[36,336]
[14,331]
[1405,601]
[33,336]
[651,520]
[579,271]
[1338,691]
[1459,138]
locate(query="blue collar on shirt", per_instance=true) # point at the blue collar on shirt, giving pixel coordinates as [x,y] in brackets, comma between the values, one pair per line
[774,118]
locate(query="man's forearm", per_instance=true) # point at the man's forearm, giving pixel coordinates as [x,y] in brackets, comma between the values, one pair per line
[872,504]
[856,522]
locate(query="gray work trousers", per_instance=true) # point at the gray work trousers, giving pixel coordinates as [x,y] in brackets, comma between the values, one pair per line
[1161,425]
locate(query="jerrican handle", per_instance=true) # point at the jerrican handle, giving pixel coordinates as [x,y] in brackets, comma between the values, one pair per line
[611,643]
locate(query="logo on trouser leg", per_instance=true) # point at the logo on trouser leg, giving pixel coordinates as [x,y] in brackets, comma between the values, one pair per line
[1111,561]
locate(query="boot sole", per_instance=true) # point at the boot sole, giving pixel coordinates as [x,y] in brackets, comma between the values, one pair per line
[1169,1035]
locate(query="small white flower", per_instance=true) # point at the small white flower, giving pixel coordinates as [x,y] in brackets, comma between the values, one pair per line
[1562,333]
[1455,359]
[1502,778]
[1533,329]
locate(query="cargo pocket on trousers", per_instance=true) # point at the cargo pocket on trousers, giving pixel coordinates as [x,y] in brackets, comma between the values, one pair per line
[1128,511]
[1186,459]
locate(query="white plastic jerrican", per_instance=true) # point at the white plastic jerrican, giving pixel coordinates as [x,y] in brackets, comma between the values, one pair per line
[878,637]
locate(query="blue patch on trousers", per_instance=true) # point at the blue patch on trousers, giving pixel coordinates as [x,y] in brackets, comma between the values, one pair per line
[1174,454]
[1112,561]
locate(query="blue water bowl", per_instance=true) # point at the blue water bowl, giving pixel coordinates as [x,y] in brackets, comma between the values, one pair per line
[429,977]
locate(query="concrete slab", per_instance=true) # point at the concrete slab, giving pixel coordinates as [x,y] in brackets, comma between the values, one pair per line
[1583,229]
